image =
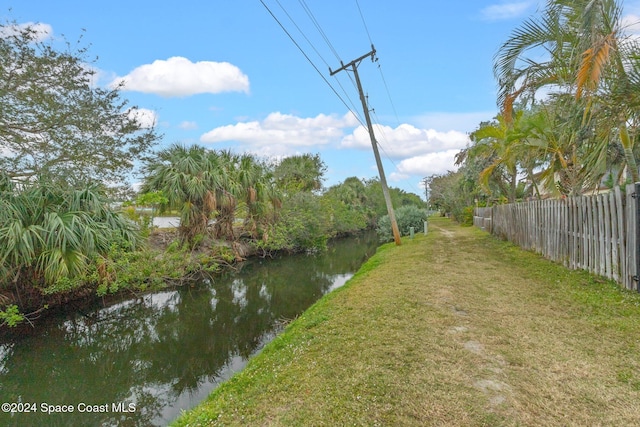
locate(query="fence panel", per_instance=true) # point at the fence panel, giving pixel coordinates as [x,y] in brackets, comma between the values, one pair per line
[597,233]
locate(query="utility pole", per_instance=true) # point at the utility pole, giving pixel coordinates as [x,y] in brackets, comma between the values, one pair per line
[383,180]
[426,181]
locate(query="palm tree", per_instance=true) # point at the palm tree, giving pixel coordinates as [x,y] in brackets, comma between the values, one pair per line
[211,185]
[227,194]
[497,144]
[553,139]
[604,80]
[190,178]
[586,55]
[48,233]
[259,192]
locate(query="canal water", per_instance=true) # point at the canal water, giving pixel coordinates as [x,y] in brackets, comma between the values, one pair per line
[142,361]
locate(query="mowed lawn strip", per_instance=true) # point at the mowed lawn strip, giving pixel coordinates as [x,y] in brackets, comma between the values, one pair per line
[452,328]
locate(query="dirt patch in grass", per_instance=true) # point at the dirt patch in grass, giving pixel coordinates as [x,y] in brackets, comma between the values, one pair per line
[455,328]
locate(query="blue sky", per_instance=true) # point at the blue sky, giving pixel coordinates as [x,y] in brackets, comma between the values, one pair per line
[224,74]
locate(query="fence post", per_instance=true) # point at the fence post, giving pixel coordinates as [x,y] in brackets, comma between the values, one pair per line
[636,226]
[493,216]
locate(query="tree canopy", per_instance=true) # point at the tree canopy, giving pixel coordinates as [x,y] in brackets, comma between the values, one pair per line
[55,122]
[590,67]
[569,121]
[300,173]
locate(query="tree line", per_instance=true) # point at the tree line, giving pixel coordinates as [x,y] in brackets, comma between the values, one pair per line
[67,152]
[569,102]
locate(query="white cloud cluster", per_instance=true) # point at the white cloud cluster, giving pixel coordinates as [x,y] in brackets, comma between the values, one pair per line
[427,164]
[422,152]
[416,151]
[407,141]
[282,134]
[504,11]
[178,76]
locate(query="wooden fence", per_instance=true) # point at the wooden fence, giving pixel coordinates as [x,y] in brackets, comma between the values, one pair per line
[595,233]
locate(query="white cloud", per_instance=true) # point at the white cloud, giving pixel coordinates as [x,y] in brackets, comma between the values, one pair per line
[282,134]
[420,152]
[461,122]
[40,33]
[428,164]
[504,11]
[178,76]
[397,177]
[407,141]
[631,24]
[146,118]
[186,125]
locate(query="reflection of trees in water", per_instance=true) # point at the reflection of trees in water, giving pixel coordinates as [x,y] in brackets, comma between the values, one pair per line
[154,349]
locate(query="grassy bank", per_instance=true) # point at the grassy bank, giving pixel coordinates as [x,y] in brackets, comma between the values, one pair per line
[453,328]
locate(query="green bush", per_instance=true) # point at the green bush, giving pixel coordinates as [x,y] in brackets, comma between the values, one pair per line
[49,234]
[406,217]
[344,218]
[302,225]
[11,316]
[467,216]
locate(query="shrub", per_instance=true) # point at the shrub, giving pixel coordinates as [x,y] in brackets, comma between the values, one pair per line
[467,216]
[406,217]
[302,225]
[49,235]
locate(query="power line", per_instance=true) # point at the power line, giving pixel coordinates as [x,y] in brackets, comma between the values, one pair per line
[316,23]
[353,108]
[384,81]
[318,27]
[302,32]
[393,107]
[384,137]
[309,60]
[363,22]
[350,100]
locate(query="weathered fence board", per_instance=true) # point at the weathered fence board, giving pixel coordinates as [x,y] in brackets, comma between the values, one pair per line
[622,266]
[595,233]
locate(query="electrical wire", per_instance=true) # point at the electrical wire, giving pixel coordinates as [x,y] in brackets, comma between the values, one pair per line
[351,109]
[310,61]
[316,23]
[364,23]
[302,32]
[384,80]
[393,107]
[384,137]
[322,33]
[306,8]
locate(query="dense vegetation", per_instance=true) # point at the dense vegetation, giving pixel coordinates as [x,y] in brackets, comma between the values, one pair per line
[569,101]
[66,148]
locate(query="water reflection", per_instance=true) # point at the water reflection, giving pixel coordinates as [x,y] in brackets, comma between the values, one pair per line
[165,351]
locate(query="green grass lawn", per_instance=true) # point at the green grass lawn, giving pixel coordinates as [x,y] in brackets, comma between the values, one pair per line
[454,328]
